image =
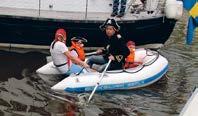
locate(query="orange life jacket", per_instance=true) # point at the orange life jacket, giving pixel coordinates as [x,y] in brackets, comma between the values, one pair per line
[130,60]
[80,51]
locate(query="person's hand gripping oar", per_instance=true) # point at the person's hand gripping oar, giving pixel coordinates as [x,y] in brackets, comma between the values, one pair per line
[100,79]
[87,54]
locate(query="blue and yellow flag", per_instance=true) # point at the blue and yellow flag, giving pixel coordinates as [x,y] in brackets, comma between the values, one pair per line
[192,7]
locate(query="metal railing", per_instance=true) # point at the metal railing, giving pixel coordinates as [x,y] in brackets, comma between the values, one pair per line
[43,5]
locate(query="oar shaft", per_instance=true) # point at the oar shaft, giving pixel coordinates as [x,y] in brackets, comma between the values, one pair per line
[98,83]
[61,98]
[91,53]
[80,71]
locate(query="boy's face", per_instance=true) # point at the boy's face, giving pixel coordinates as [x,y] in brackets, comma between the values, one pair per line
[131,47]
[110,31]
[80,43]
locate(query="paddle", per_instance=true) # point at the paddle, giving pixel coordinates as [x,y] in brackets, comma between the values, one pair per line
[87,54]
[98,83]
[80,71]
[91,53]
[60,98]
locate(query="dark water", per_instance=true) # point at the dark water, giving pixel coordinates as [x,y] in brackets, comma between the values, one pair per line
[24,93]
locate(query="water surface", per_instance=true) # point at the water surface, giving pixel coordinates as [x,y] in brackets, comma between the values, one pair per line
[24,93]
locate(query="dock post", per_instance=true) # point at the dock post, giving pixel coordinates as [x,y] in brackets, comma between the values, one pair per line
[86,9]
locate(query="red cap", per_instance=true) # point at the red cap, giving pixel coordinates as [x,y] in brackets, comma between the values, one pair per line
[60,32]
[130,43]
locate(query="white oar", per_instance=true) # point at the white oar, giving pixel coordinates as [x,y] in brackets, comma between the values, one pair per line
[60,98]
[91,53]
[98,83]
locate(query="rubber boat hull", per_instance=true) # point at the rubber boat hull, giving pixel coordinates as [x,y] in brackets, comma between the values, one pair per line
[48,69]
[153,68]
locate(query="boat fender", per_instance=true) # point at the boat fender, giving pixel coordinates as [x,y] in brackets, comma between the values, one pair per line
[173,9]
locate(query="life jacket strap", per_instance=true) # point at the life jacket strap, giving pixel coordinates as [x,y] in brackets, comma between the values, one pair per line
[61,64]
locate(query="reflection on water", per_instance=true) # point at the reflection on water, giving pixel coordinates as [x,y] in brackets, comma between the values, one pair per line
[23,93]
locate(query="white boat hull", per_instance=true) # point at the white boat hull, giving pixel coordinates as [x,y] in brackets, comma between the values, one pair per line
[113,80]
[190,109]
[49,69]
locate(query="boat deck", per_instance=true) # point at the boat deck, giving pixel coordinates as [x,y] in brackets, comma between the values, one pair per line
[78,16]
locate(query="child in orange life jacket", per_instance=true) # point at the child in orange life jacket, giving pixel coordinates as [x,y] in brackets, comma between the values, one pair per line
[77,50]
[129,61]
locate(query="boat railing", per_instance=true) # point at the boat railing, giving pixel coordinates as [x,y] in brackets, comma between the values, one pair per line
[79,9]
[133,8]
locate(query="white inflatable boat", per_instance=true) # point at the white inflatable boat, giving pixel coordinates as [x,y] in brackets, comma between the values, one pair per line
[153,68]
[190,109]
[49,68]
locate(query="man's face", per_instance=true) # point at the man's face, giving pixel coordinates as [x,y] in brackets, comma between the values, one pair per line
[110,31]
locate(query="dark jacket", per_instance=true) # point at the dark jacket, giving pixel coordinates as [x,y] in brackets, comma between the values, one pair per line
[116,47]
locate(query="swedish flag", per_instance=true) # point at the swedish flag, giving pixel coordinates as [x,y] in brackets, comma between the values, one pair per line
[192,7]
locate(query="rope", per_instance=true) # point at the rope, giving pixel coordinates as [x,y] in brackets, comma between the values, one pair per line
[142,66]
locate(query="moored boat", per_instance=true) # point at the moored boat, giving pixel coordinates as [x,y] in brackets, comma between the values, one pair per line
[34,22]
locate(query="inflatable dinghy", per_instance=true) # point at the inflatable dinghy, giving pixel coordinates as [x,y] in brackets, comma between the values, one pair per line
[152,69]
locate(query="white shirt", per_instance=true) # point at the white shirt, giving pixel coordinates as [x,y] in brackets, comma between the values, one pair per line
[74,53]
[57,53]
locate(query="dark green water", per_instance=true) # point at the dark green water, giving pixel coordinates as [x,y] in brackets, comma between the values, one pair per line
[23,93]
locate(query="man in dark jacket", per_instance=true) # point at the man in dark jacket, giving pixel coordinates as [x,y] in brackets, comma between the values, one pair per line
[115,49]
